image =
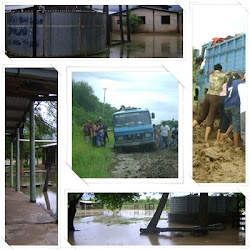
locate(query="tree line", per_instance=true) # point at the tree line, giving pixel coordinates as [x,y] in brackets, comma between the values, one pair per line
[87,106]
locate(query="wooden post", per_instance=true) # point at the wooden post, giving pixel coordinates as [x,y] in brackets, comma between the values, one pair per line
[106,10]
[154,221]
[11,163]
[121,24]
[17,160]
[128,24]
[48,166]
[203,216]
[32,154]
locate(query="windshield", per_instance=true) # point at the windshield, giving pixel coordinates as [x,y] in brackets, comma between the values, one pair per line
[131,119]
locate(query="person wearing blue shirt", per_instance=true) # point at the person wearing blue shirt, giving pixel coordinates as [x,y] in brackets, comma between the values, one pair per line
[232,105]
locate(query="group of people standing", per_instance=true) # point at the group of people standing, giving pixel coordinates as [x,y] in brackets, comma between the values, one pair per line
[226,95]
[166,136]
[97,133]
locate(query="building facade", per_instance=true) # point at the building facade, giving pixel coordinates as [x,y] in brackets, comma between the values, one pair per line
[154,20]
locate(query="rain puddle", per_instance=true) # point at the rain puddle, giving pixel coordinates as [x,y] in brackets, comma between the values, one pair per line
[48,199]
[90,232]
[146,45]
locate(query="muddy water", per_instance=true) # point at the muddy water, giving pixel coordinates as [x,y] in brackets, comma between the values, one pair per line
[47,200]
[93,233]
[145,45]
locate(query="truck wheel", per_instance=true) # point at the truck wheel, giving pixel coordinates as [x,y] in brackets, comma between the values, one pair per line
[119,150]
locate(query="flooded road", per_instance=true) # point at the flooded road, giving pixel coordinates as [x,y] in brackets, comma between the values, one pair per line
[47,200]
[90,232]
[146,45]
[162,163]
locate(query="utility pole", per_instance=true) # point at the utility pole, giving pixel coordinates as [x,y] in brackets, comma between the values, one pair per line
[104,99]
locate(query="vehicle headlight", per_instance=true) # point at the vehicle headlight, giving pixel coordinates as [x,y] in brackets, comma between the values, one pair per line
[120,138]
[147,135]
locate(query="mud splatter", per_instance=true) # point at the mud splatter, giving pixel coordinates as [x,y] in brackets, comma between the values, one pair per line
[218,163]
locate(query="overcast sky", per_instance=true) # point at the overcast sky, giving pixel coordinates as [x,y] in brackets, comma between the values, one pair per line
[211,21]
[156,91]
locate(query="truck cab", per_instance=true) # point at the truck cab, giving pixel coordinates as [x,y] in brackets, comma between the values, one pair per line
[133,127]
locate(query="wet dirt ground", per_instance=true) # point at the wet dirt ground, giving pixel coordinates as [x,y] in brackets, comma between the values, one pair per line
[220,162]
[162,163]
[96,233]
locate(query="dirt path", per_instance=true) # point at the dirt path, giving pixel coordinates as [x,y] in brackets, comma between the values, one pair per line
[220,162]
[162,163]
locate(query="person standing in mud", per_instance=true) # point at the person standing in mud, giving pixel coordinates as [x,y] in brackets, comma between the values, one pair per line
[164,134]
[223,129]
[242,89]
[211,102]
[105,137]
[232,106]
[155,133]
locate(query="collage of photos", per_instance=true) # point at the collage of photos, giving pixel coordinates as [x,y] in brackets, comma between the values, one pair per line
[106,142]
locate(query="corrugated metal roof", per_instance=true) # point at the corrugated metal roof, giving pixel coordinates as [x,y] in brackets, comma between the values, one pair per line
[23,85]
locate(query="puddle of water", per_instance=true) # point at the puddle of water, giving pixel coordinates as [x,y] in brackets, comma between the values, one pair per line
[96,233]
[47,199]
[145,45]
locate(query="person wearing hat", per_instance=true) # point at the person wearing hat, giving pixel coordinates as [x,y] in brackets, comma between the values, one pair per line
[211,101]
[99,121]
[87,128]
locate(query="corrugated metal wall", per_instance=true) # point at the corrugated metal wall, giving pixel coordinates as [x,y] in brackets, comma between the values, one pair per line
[59,34]
[190,204]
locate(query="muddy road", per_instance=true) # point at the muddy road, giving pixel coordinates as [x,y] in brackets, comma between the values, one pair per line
[162,163]
[220,162]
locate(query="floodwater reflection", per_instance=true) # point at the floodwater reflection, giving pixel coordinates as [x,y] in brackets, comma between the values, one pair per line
[47,200]
[96,233]
[146,45]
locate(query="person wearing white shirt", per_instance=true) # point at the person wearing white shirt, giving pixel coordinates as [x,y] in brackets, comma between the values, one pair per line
[164,135]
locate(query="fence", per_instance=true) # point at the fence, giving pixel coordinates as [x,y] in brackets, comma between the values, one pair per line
[58,33]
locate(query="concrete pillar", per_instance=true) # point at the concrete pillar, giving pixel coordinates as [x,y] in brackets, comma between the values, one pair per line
[32,155]
[11,163]
[17,160]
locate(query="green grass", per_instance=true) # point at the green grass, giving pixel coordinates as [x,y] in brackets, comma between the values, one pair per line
[112,220]
[89,161]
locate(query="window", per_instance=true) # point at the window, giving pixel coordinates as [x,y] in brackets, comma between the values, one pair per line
[165,19]
[118,21]
[143,19]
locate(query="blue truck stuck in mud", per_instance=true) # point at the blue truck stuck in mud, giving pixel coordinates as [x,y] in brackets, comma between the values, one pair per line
[229,52]
[133,128]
